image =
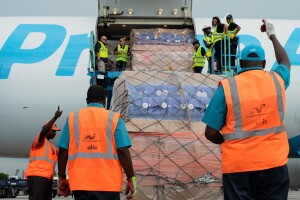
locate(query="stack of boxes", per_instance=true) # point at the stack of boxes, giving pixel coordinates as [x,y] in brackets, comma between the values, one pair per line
[162,49]
[163,111]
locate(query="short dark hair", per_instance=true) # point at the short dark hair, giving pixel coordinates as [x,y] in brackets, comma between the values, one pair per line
[249,63]
[229,16]
[196,42]
[96,92]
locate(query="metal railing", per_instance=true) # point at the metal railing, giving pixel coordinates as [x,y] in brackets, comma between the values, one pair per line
[226,56]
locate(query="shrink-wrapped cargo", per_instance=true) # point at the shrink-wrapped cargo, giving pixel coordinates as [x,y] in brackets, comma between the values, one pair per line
[163,111]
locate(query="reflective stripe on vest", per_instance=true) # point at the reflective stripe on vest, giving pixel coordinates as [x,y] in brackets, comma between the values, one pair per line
[239,133]
[232,31]
[217,36]
[93,162]
[199,60]
[46,157]
[42,159]
[108,155]
[122,56]
[208,39]
[103,51]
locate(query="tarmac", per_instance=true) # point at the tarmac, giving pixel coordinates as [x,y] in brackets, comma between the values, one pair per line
[293,195]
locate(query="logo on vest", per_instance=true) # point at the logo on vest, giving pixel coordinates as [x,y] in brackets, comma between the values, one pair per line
[262,122]
[257,111]
[260,108]
[91,147]
[90,137]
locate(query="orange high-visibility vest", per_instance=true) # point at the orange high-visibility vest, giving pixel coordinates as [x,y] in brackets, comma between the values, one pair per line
[93,163]
[254,133]
[42,159]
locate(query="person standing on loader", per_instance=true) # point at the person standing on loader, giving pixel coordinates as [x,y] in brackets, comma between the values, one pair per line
[101,51]
[199,57]
[207,40]
[233,30]
[219,32]
[122,52]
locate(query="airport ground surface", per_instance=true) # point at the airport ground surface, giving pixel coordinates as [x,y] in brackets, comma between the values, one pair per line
[293,195]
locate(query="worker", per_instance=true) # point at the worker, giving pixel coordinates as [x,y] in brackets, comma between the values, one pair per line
[42,160]
[94,143]
[199,57]
[122,52]
[102,54]
[233,30]
[207,40]
[246,116]
[219,32]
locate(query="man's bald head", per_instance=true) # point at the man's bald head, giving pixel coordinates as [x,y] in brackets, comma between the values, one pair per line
[103,39]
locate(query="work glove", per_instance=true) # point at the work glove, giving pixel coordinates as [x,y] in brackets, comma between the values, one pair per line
[232,36]
[131,187]
[63,187]
[267,27]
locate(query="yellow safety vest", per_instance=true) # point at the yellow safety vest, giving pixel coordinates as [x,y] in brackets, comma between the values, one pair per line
[122,56]
[103,52]
[233,31]
[199,60]
[217,36]
[208,39]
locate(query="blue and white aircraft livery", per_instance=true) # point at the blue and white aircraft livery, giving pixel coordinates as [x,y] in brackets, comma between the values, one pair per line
[44,63]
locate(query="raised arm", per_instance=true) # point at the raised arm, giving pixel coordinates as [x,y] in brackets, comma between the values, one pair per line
[280,53]
[46,128]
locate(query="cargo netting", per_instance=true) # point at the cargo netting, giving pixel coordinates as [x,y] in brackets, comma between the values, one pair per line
[163,110]
[162,49]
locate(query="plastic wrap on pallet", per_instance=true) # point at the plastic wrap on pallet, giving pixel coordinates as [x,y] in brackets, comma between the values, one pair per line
[167,96]
[181,156]
[166,48]
[171,156]
[161,36]
[161,104]
[162,60]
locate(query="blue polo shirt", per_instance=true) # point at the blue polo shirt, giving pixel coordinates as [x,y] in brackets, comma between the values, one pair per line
[121,135]
[215,115]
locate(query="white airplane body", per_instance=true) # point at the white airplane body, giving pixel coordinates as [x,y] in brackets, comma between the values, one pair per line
[44,64]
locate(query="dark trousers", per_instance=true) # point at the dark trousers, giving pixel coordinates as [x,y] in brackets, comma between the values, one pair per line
[210,67]
[198,69]
[269,184]
[220,47]
[233,48]
[121,65]
[96,195]
[40,188]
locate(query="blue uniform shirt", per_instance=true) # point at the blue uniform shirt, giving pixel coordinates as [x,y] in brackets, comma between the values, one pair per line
[121,135]
[215,115]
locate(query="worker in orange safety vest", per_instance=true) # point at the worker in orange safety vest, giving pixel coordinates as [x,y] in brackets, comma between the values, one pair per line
[42,160]
[94,143]
[246,117]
